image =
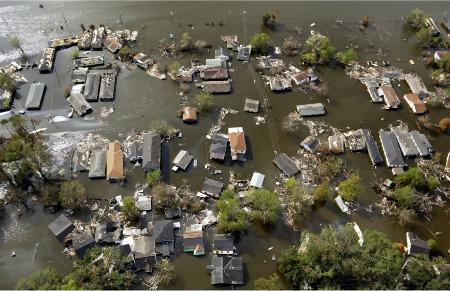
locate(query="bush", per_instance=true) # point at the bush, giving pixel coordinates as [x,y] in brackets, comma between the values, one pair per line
[416,19]
[299,201]
[7,83]
[72,195]
[45,279]
[444,63]
[165,271]
[124,53]
[268,283]
[129,209]
[265,205]
[432,244]
[162,197]
[75,53]
[318,49]
[186,42]
[444,124]
[205,101]
[322,191]
[330,167]
[346,56]
[404,196]
[260,43]
[415,178]
[351,187]
[270,18]
[232,217]
[161,127]
[173,68]
[153,177]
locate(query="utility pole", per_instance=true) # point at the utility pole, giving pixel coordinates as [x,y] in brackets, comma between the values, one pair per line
[245,26]
[65,21]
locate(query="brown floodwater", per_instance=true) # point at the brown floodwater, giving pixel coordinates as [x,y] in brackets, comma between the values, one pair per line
[140,99]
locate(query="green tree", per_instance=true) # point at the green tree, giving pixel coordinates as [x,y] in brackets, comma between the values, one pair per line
[129,209]
[444,63]
[299,201]
[330,167]
[153,177]
[16,43]
[426,39]
[165,272]
[75,53]
[232,217]
[72,195]
[7,83]
[45,279]
[270,282]
[161,127]
[186,43]
[415,178]
[318,49]
[416,19]
[404,196]
[422,275]
[265,205]
[322,191]
[346,56]
[124,53]
[260,43]
[350,187]
[173,68]
[205,101]
[270,18]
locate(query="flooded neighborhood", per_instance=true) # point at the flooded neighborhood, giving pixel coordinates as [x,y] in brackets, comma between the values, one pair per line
[224,145]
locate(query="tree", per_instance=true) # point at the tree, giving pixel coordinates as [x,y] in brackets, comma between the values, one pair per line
[173,68]
[416,19]
[270,18]
[346,56]
[444,123]
[299,201]
[231,215]
[165,272]
[162,127]
[7,83]
[124,53]
[75,53]
[45,279]
[322,191]
[153,177]
[426,39]
[129,209]
[351,187]
[404,196]
[205,101]
[186,43]
[163,197]
[444,64]
[415,178]
[422,275]
[270,282]
[260,43]
[265,205]
[72,195]
[16,43]
[318,49]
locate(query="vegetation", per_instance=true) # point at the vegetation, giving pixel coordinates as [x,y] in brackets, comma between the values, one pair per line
[124,53]
[186,43]
[173,68]
[432,244]
[444,63]
[322,191]
[290,46]
[350,187]
[415,178]
[163,197]
[346,56]
[330,167]
[422,274]
[205,101]
[404,196]
[162,127]
[265,205]
[260,43]
[444,124]
[291,122]
[417,22]
[153,177]
[270,18]
[270,282]
[416,19]
[232,217]
[129,209]
[7,83]
[45,279]
[72,195]
[318,49]
[299,201]
[67,91]
[75,53]
[16,43]
[165,272]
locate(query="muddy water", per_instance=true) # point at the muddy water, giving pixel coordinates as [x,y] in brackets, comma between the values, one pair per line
[141,99]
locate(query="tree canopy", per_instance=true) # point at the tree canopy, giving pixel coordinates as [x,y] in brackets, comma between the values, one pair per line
[232,217]
[130,210]
[72,195]
[205,101]
[350,187]
[346,56]
[318,49]
[265,205]
[260,43]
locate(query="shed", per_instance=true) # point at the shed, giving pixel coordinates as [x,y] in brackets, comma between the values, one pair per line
[422,144]
[416,85]
[107,86]
[212,188]
[82,242]
[142,60]
[405,141]
[217,86]
[257,180]
[280,84]
[144,254]
[389,96]
[189,114]
[251,105]
[182,160]
[151,152]
[286,165]
[97,167]
[114,165]
[372,148]
[144,203]
[226,270]
[311,144]
[35,95]
[61,227]
[223,244]
[416,245]
[238,146]
[244,53]
[46,63]
[163,234]
[392,151]
[79,75]
[417,105]
[218,147]
[312,109]
[193,240]
[79,104]
[336,143]
[216,73]
[135,152]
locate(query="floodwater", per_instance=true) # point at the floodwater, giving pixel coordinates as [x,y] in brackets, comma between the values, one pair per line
[141,99]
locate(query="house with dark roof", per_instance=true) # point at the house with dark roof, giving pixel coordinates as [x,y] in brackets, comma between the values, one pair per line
[82,242]
[218,147]
[422,144]
[212,188]
[223,245]
[91,87]
[286,164]
[144,254]
[135,152]
[226,270]
[193,241]
[372,148]
[392,151]
[61,227]
[416,245]
[405,141]
[164,237]
[97,167]
[35,96]
[151,151]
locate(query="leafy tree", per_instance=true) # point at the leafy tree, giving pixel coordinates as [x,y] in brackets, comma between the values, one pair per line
[124,53]
[186,43]
[351,187]
[444,64]
[45,279]
[16,43]
[270,282]
[7,83]
[72,195]
[416,19]
[330,167]
[260,43]
[205,101]
[173,68]
[404,196]
[426,39]
[318,49]
[432,244]
[75,53]
[421,274]
[346,56]
[162,127]
[299,201]
[415,178]
[270,18]
[163,197]
[165,271]
[322,191]
[265,205]
[153,177]
[130,210]
[232,217]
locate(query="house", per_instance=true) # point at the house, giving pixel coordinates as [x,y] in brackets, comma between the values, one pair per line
[238,146]
[151,151]
[422,144]
[226,270]
[112,43]
[216,73]
[84,40]
[392,151]
[223,245]
[79,104]
[193,241]
[163,235]
[439,55]
[390,97]
[372,148]
[218,147]
[80,160]
[251,105]
[214,63]
[97,38]
[405,141]
[221,54]
[135,152]
[417,105]
[89,61]
[372,89]
[300,78]
[416,245]
[46,63]
[182,160]
[107,233]
[257,180]
[114,164]
[82,242]
[63,42]
[279,84]
[79,75]
[416,85]
[212,188]
[172,213]
[35,95]
[6,98]
[144,254]
[91,87]
[311,144]
[189,114]
[312,109]
[217,87]
[97,168]
[143,61]
[244,53]
[107,86]
[336,143]
[355,140]
[144,203]
[286,165]
[61,227]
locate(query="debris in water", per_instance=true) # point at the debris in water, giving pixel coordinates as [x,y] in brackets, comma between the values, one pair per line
[13,254]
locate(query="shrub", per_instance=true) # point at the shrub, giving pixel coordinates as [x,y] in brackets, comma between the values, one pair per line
[153,177]
[351,187]
[432,244]
[260,43]
[129,209]
[205,101]
[75,53]
[346,56]
[404,196]
[416,19]
[232,217]
[72,195]
[265,205]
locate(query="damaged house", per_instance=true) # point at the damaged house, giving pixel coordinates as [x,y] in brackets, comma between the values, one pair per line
[218,147]
[113,43]
[417,105]
[217,87]
[46,63]
[91,87]
[189,114]
[61,227]
[182,160]
[107,233]
[251,105]
[389,96]
[79,104]
[238,146]
[244,53]
[89,61]
[193,241]
[114,163]
[151,151]
[216,73]
[416,85]
[372,89]
[286,164]
[278,84]
[212,188]
[84,40]
[164,237]
[143,61]
[79,75]
[97,38]
[82,242]
[107,86]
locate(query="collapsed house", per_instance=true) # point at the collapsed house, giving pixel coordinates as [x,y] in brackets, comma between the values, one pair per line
[79,104]
[97,167]
[212,188]
[46,63]
[182,160]
[336,143]
[91,87]
[286,165]
[251,105]
[82,242]
[389,96]
[226,270]
[218,147]
[84,40]
[151,152]
[80,160]
[35,96]
[61,227]
[143,61]
[114,164]
[312,109]
[392,151]
[193,241]
[89,61]
[417,105]
[355,140]
[416,85]
[97,38]
[217,87]
[311,144]
[279,84]
[238,147]
[79,75]
[372,89]
[107,86]
[112,43]
[107,233]
[65,42]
